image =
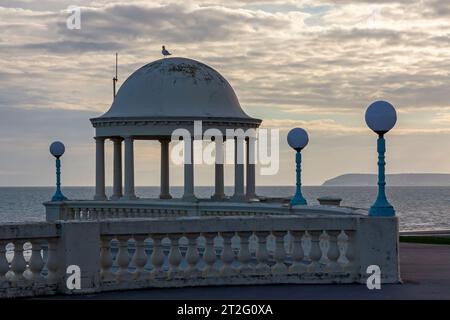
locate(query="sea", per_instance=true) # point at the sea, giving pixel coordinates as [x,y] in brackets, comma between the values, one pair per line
[418,208]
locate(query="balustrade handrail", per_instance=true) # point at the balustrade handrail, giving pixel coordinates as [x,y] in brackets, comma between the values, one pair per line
[28,230]
[224,224]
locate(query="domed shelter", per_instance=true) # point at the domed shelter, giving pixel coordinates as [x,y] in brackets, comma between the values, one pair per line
[163,96]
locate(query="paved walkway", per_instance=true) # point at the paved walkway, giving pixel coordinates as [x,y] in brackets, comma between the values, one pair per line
[425,271]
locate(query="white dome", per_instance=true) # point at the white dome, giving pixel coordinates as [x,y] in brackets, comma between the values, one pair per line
[176,87]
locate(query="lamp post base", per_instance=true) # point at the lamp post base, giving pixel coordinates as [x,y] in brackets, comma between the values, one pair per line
[298,201]
[386,211]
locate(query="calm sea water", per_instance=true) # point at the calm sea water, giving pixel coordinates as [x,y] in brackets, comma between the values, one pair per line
[419,208]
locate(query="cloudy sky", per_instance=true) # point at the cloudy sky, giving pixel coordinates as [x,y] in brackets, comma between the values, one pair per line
[313,64]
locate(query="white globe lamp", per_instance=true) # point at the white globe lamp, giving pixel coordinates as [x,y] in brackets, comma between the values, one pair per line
[298,139]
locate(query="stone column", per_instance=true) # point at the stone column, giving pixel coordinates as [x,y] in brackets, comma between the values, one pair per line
[129,169]
[189,170]
[117,169]
[238,170]
[219,193]
[165,189]
[99,169]
[251,157]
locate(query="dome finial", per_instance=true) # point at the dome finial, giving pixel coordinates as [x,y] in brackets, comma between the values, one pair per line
[165,52]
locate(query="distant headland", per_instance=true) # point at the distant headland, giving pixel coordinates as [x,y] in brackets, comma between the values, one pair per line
[401,179]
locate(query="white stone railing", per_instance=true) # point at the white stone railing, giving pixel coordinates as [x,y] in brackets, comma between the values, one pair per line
[226,250]
[23,269]
[107,210]
[121,254]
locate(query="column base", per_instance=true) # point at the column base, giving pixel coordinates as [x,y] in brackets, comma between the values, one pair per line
[165,196]
[252,197]
[116,197]
[189,198]
[100,197]
[238,198]
[218,197]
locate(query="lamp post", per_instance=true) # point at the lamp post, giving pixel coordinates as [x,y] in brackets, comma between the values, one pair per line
[57,150]
[381,117]
[298,139]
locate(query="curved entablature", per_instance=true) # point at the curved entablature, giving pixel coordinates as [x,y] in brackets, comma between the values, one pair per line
[158,127]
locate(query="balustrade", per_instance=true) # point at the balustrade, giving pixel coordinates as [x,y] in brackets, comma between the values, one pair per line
[195,256]
[23,268]
[142,253]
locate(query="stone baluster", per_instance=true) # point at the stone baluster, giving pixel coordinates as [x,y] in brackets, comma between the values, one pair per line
[4,266]
[52,261]
[175,256]
[280,253]
[36,263]
[77,214]
[262,256]
[140,258]
[210,255]
[333,251]
[350,251]
[157,257]
[106,260]
[123,259]
[227,254]
[192,256]
[244,255]
[18,264]
[316,252]
[297,254]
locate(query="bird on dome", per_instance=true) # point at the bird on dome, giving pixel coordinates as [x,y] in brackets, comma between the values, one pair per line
[165,52]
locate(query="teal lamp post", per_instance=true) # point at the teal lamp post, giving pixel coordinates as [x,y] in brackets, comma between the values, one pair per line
[298,139]
[381,117]
[57,150]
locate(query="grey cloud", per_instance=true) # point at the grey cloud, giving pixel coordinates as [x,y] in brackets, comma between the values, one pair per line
[173,23]
[44,123]
[440,8]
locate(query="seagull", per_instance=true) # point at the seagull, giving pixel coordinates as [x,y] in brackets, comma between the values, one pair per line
[164,52]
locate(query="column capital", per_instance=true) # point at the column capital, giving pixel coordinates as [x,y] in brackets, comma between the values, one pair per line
[164,140]
[116,139]
[128,137]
